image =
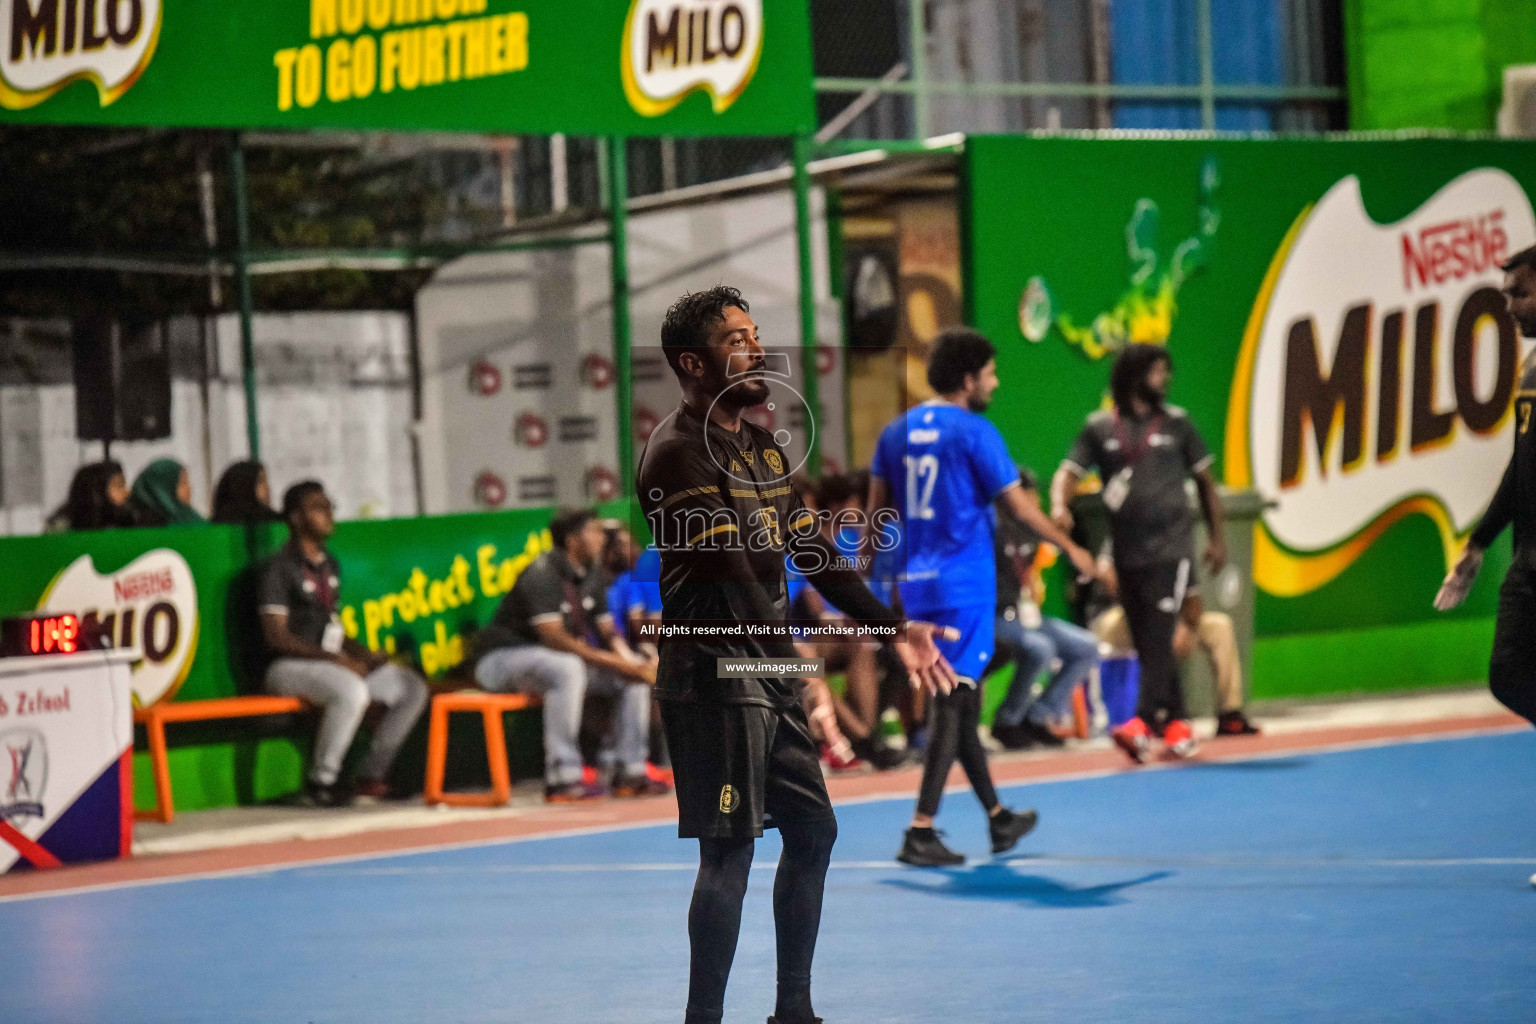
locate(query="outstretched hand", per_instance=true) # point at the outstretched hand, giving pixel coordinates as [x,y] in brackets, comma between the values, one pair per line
[921,658]
[1459,581]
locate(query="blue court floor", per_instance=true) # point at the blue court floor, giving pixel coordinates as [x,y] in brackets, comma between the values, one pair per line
[1383,884]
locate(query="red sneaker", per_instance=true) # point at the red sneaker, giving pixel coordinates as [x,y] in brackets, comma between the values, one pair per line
[1135,739]
[656,773]
[841,759]
[1179,739]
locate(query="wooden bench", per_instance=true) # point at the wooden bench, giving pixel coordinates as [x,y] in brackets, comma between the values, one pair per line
[155,716]
[491,706]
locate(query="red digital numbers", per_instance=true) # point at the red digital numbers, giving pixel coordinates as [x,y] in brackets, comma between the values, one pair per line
[59,635]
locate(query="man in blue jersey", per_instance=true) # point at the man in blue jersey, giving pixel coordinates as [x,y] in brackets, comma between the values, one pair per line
[942,465]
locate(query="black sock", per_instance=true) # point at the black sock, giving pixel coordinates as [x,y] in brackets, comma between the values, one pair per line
[714,923]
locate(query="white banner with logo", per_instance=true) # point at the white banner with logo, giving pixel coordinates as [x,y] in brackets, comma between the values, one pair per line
[66,740]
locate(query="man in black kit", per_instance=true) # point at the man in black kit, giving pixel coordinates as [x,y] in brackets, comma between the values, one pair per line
[1512,669]
[1145,451]
[715,489]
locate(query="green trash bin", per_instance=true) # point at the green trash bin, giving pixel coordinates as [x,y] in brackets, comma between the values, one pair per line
[1230,591]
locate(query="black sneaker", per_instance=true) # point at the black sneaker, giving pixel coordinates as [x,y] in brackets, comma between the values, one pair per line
[317,794]
[880,757]
[922,848]
[1008,827]
[1013,737]
[1041,736]
[1235,723]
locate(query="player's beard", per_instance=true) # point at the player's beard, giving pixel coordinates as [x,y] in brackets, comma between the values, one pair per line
[976,403]
[1151,395]
[746,394]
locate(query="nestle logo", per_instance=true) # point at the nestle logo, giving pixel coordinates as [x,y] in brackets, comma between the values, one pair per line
[142,586]
[1454,249]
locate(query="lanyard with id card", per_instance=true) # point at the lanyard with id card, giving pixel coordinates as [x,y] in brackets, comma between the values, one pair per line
[1119,486]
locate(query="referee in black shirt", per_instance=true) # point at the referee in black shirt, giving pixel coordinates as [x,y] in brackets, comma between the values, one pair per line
[1512,669]
[715,489]
[1146,451]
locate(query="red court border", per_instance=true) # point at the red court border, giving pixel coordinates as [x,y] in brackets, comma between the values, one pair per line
[546,821]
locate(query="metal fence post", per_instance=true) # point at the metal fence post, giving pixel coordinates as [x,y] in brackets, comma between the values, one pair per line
[808,353]
[243,286]
[1207,69]
[917,32]
[618,246]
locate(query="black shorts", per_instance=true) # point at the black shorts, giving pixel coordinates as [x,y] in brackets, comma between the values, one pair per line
[741,768]
[1514,634]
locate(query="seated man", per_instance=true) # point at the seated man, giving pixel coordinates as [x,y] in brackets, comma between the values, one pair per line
[1216,636]
[1031,641]
[313,659]
[553,636]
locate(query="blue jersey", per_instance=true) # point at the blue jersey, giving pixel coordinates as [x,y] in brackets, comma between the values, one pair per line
[944,466]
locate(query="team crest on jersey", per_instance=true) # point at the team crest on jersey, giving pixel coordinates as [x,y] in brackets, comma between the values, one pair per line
[775,463]
[728,798]
[747,457]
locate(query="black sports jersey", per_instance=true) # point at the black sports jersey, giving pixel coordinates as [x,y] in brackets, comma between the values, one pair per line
[1015,544]
[723,515]
[1144,464]
[1515,500]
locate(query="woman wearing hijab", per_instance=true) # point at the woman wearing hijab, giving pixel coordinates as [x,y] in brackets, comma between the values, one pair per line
[161,493]
[98,500]
[243,496]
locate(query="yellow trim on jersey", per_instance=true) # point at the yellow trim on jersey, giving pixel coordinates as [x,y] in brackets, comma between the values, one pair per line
[680,495]
[723,528]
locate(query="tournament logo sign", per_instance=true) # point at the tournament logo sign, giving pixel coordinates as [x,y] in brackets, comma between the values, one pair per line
[23,774]
[1376,375]
[149,605]
[50,43]
[672,47]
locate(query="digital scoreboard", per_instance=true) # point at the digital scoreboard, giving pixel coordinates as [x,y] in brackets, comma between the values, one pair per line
[50,634]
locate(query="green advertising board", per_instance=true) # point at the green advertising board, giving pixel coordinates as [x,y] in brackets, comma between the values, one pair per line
[1332,311]
[601,67]
[185,597]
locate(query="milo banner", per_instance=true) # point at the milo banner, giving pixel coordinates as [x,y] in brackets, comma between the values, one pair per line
[1333,314]
[183,601]
[625,67]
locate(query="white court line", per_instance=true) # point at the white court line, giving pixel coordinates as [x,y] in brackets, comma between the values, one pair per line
[470,844]
[1012,864]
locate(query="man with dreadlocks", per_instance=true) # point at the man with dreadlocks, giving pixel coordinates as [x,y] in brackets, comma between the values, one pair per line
[1145,452]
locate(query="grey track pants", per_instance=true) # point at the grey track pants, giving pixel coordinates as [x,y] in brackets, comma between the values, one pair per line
[563,680]
[343,697]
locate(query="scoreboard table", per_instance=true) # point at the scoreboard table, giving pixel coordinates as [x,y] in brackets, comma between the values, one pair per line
[66,758]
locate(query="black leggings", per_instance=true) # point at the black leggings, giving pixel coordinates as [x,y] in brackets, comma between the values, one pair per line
[714,918]
[952,723]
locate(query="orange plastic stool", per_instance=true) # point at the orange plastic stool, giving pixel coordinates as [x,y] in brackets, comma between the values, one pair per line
[491,706]
[154,717]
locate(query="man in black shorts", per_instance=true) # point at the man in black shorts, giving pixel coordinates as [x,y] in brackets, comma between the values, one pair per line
[1146,451]
[1512,669]
[716,491]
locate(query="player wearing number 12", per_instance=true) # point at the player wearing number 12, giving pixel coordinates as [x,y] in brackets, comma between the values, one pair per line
[944,465]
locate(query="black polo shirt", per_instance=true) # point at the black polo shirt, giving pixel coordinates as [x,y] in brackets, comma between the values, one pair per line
[1155,521]
[306,591]
[719,505]
[551,588]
